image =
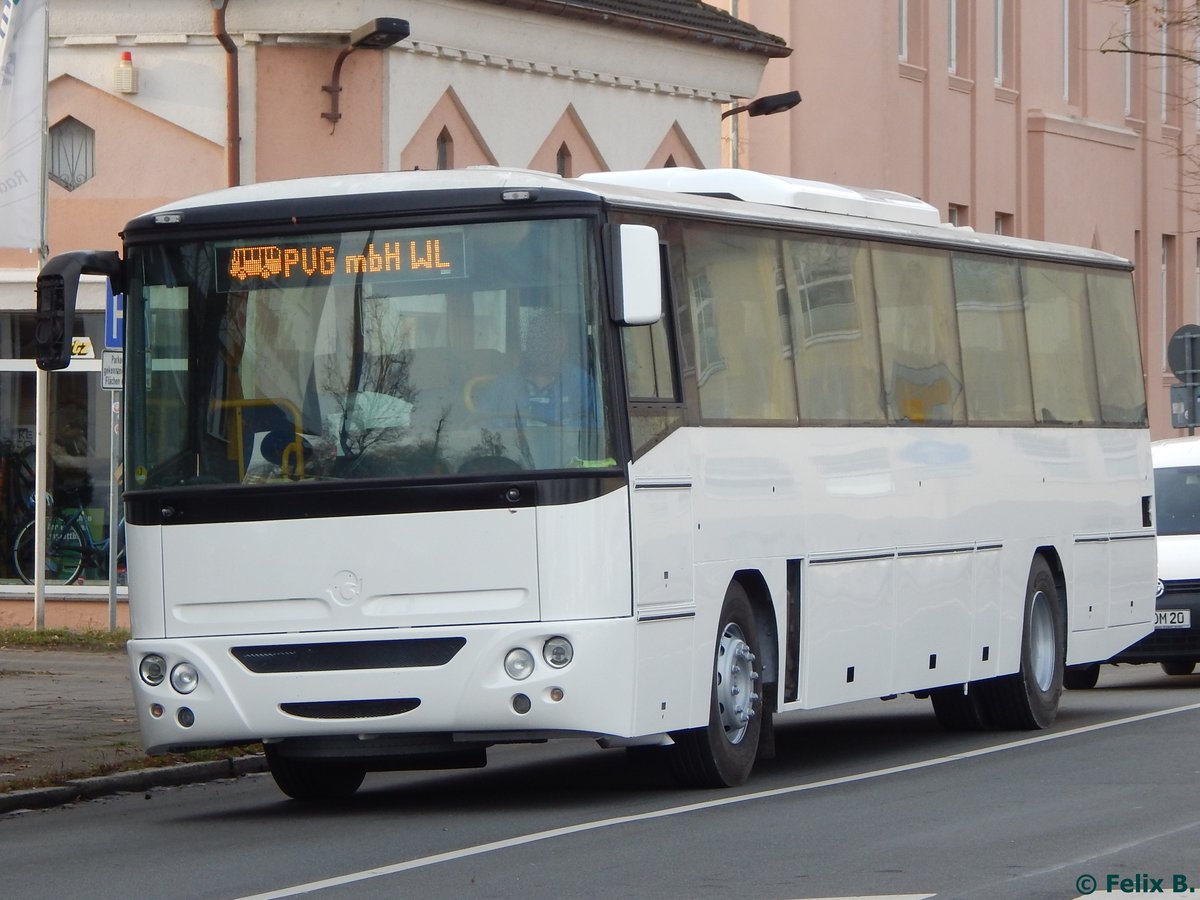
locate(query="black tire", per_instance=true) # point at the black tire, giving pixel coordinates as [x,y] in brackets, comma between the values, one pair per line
[958,711]
[1081,678]
[722,753]
[1028,699]
[313,781]
[1179,667]
[65,542]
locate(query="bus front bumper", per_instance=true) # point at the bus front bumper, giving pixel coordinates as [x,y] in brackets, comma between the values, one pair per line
[386,682]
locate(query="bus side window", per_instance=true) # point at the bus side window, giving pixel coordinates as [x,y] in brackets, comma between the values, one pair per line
[918,331]
[648,370]
[1062,363]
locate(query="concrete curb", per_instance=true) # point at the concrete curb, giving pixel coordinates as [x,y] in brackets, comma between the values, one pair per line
[129,782]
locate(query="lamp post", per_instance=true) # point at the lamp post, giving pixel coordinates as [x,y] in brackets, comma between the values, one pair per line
[762,106]
[378,34]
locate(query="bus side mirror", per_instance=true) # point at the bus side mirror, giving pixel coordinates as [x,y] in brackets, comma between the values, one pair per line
[637,282]
[57,288]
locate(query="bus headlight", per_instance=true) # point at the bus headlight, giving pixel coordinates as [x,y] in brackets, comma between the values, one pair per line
[558,652]
[184,678]
[518,664]
[153,669]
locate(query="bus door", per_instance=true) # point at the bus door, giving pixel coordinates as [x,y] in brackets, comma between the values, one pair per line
[663,533]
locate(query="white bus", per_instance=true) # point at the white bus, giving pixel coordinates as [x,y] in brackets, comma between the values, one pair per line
[492,456]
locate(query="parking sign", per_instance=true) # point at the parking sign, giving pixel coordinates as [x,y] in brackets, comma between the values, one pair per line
[114,320]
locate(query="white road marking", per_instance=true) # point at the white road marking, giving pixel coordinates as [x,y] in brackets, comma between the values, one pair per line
[535,837]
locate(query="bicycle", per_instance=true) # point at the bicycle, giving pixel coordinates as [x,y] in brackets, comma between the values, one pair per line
[70,547]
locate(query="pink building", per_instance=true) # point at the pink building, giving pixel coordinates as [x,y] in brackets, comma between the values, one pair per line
[1009,116]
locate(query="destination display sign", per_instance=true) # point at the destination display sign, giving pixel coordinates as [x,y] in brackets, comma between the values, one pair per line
[402,255]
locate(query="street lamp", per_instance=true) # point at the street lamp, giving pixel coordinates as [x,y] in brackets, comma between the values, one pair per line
[766,106]
[378,34]
[763,106]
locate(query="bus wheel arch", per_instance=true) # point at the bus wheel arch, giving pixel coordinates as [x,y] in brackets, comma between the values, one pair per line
[1028,698]
[722,752]
[1054,561]
[759,595]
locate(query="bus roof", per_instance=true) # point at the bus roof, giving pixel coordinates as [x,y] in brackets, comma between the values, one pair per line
[731,194]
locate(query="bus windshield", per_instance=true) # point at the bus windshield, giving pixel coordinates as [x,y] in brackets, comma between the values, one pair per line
[388,353]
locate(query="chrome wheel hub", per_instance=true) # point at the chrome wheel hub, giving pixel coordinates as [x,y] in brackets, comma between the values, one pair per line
[736,679]
[1042,651]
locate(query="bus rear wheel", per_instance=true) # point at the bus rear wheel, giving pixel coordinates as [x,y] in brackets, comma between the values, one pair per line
[959,707]
[313,781]
[1028,699]
[722,753]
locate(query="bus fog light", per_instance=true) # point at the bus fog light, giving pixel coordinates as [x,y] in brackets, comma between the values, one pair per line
[184,678]
[156,710]
[518,664]
[186,717]
[521,704]
[556,694]
[558,652]
[153,669]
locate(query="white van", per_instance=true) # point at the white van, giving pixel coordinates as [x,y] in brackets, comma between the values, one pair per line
[1175,642]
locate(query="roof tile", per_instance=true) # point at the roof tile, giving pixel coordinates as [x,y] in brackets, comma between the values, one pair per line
[687,19]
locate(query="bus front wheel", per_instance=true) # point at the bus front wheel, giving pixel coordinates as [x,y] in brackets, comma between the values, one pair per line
[722,753]
[1081,678]
[1028,699]
[313,781]
[1178,667]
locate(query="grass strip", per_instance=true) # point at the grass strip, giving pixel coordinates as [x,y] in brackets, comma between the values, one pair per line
[96,640]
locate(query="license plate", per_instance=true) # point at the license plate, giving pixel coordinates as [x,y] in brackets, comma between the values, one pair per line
[1173,618]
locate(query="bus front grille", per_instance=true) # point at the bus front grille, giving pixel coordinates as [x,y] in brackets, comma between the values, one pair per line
[348,655]
[350,709]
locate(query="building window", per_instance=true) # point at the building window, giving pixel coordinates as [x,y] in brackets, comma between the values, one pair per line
[1072,40]
[911,32]
[957,215]
[1127,42]
[1002,40]
[1164,47]
[1170,51]
[445,150]
[72,153]
[1004,223]
[1166,291]
[959,34]
[1196,286]
[562,162]
[1195,80]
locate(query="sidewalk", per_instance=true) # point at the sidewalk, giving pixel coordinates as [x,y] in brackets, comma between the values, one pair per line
[67,726]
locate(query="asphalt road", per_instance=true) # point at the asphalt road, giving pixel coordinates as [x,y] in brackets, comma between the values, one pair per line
[871,799]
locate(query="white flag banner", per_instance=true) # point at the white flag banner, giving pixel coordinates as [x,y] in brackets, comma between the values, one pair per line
[23,27]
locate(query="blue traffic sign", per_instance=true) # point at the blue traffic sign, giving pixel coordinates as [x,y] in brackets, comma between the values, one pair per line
[114,320]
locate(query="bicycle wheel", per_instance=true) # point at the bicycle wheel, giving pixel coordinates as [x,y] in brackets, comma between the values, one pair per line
[65,542]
